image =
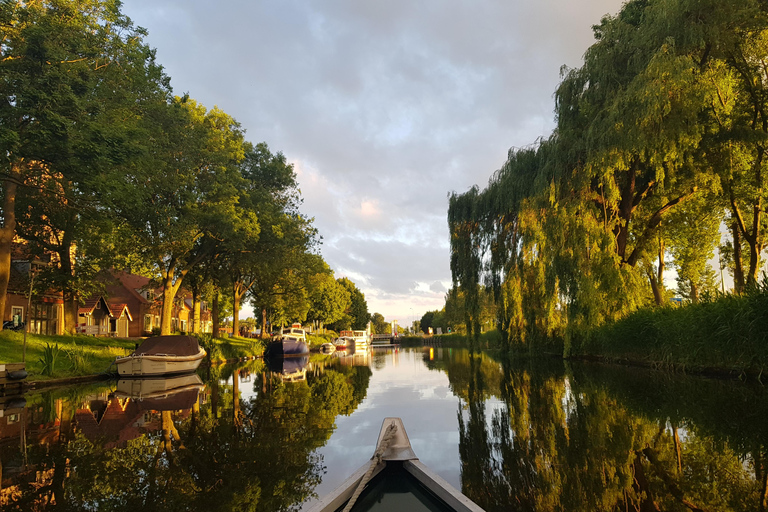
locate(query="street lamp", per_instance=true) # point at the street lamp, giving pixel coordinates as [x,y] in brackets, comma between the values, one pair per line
[32,265]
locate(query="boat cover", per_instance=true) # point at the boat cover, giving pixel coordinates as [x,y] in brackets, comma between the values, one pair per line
[174,401]
[169,345]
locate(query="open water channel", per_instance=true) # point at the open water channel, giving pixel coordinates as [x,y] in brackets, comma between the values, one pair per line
[535,435]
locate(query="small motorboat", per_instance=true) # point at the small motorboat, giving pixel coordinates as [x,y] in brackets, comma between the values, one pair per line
[327,348]
[394,479]
[290,342]
[358,339]
[344,342]
[162,355]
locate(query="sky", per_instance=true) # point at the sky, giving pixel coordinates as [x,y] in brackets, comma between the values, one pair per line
[383,107]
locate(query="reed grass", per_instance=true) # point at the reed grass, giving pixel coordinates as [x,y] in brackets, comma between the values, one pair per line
[723,333]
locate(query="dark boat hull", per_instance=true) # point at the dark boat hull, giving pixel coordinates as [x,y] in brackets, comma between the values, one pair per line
[287,348]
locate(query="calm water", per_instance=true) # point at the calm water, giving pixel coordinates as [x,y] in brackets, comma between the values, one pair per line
[513,436]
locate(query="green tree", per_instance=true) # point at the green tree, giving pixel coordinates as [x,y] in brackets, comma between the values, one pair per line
[378,324]
[184,197]
[75,77]
[329,299]
[358,307]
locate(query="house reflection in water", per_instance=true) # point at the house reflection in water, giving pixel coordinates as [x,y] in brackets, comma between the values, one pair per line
[105,417]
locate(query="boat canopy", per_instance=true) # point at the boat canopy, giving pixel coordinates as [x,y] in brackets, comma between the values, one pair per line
[169,345]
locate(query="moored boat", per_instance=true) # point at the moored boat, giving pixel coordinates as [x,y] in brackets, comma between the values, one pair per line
[291,341]
[343,342]
[327,348]
[357,338]
[395,479]
[162,355]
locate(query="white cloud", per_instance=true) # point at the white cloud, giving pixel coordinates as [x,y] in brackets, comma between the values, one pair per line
[383,107]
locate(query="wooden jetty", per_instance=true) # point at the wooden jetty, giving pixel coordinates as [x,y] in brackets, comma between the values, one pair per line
[13,378]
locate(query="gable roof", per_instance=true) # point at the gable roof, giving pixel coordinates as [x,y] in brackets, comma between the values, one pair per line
[90,305]
[118,309]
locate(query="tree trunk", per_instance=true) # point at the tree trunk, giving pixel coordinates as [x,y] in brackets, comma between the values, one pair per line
[694,292]
[264,331]
[215,314]
[237,296]
[755,246]
[625,214]
[7,232]
[195,313]
[738,265]
[169,295]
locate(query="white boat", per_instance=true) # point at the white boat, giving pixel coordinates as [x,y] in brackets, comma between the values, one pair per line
[360,338]
[344,342]
[395,479]
[327,348]
[295,332]
[162,355]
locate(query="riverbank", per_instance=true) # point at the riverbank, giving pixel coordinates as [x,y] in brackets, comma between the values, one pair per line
[53,360]
[724,336]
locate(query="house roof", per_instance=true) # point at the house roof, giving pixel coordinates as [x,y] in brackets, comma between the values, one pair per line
[90,305]
[118,309]
[132,283]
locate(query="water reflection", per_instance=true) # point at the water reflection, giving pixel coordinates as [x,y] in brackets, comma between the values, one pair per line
[289,369]
[536,436]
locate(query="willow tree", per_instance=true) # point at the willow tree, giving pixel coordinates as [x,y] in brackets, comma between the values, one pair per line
[464,226]
[660,114]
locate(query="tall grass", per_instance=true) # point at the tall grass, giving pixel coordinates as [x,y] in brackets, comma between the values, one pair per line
[49,358]
[723,332]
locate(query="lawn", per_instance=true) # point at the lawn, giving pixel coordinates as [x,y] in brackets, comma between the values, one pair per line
[58,357]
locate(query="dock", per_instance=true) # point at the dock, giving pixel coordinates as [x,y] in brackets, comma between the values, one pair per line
[13,378]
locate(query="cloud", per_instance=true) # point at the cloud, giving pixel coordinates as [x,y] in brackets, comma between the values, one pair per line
[383,107]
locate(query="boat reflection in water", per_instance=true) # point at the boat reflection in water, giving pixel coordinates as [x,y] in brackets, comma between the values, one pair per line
[289,369]
[162,394]
[354,356]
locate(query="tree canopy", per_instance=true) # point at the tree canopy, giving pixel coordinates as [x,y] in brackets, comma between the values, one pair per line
[659,142]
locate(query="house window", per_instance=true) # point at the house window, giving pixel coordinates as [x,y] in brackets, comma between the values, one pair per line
[184,325]
[147,323]
[157,321]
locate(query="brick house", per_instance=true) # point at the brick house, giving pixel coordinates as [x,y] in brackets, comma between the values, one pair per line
[143,300]
[102,318]
[45,312]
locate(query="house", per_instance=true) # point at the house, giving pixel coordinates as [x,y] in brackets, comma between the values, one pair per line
[143,301]
[101,318]
[44,313]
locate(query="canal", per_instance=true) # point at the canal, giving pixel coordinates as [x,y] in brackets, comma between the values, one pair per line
[512,435]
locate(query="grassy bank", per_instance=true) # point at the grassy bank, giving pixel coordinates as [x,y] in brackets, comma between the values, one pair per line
[61,357]
[726,334]
[489,339]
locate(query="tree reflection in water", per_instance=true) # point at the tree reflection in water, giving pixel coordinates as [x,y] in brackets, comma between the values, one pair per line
[532,436]
[621,439]
[225,453]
